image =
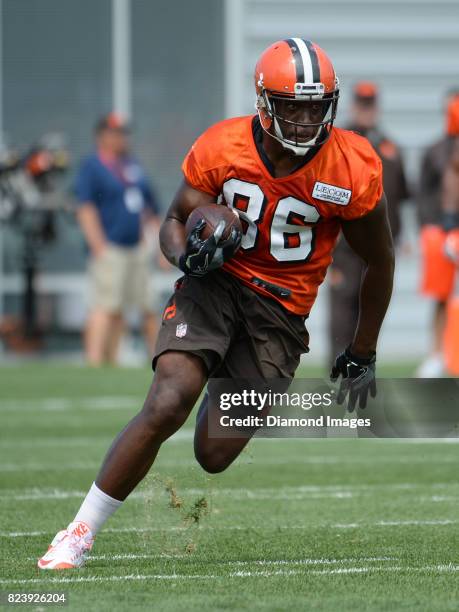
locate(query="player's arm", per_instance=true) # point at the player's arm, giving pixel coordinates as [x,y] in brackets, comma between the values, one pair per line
[172,237]
[192,254]
[92,229]
[371,239]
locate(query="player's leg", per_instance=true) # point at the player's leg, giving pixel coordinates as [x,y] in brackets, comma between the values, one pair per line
[437,282]
[120,295]
[266,353]
[96,335]
[439,320]
[139,294]
[117,328]
[217,446]
[106,274]
[196,328]
[150,331]
[177,384]
[433,366]
[146,300]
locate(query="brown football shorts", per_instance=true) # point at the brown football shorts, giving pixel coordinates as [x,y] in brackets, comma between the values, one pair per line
[236,331]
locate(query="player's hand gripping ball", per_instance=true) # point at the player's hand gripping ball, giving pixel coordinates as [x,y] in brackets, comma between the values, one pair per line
[214,234]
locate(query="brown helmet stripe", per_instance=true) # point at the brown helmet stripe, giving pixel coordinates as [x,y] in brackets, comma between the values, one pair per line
[314,60]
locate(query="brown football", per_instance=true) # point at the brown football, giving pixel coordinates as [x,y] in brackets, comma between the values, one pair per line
[213,214]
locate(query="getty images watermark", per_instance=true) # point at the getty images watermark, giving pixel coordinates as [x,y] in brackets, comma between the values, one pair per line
[403,408]
[262,401]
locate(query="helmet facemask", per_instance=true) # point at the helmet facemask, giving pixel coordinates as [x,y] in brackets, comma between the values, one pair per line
[279,118]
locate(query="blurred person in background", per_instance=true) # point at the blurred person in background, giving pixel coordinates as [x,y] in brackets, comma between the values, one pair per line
[435,222]
[346,270]
[450,210]
[116,209]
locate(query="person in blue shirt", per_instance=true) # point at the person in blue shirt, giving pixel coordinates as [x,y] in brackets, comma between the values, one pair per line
[115,203]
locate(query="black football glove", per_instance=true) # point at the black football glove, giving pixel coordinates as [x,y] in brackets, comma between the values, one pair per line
[358,377]
[202,256]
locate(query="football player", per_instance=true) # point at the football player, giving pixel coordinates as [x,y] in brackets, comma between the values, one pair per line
[240,312]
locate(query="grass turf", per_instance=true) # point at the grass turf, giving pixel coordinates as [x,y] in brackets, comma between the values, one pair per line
[293,525]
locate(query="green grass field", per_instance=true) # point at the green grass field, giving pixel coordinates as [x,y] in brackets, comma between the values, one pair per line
[293,525]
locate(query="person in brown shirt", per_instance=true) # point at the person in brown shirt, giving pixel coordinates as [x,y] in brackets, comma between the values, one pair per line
[450,188]
[345,273]
[434,161]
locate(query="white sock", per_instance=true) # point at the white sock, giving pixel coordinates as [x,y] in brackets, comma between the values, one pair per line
[96,508]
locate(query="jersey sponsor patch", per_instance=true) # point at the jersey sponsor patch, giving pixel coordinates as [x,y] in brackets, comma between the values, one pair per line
[331,193]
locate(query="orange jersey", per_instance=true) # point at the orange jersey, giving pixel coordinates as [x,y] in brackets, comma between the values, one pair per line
[438,270]
[291,223]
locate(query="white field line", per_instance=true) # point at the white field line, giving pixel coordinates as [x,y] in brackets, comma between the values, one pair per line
[415,522]
[53,442]
[181,436]
[128,557]
[112,578]
[64,404]
[187,462]
[351,570]
[137,530]
[243,496]
[426,440]
[57,495]
[88,441]
[238,574]
[48,467]
[188,434]
[262,562]
[323,561]
[299,492]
